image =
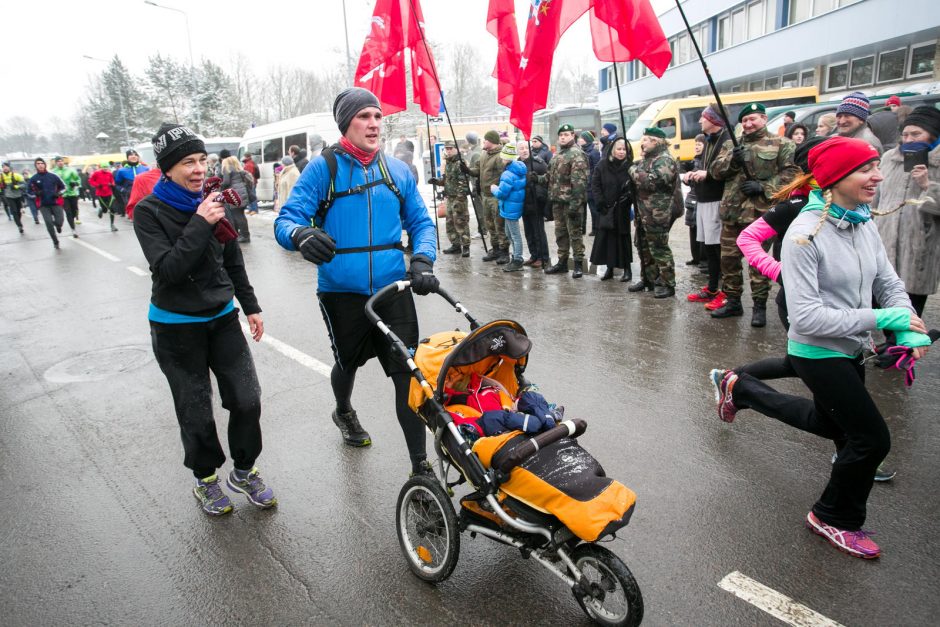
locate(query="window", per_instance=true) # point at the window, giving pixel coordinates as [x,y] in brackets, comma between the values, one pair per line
[702,37]
[621,72]
[737,27]
[739,87]
[668,126]
[838,76]
[690,125]
[791,79]
[863,72]
[800,10]
[682,49]
[808,78]
[724,32]
[755,19]
[755,85]
[891,65]
[922,59]
[273,150]
[300,139]
[255,151]
[772,83]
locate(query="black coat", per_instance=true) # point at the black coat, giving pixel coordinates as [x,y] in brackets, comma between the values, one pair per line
[613,192]
[536,194]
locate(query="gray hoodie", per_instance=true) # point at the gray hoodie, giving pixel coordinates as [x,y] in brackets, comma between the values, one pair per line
[831,280]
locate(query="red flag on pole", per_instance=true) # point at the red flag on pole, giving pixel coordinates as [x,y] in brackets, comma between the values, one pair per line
[624,30]
[381,70]
[501,23]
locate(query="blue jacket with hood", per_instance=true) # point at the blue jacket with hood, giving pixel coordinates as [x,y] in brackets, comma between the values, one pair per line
[511,190]
[371,218]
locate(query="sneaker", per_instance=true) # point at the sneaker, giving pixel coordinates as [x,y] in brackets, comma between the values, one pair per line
[113,228]
[723,382]
[855,543]
[717,302]
[702,296]
[349,427]
[77,221]
[253,487]
[209,493]
[424,467]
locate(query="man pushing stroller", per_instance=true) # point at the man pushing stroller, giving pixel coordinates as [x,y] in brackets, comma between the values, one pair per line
[345,215]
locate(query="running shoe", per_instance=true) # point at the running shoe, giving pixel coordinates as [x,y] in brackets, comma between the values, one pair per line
[855,543]
[720,300]
[701,296]
[423,467]
[209,493]
[252,487]
[723,382]
[352,432]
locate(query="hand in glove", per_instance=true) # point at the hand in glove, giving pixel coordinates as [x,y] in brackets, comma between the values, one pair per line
[464,167]
[752,188]
[314,244]
[421,275]
[738,156]
[436,181]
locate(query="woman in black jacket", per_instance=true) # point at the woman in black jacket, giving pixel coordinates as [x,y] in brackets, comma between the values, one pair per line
[536,196]
[198,271]
[613,193]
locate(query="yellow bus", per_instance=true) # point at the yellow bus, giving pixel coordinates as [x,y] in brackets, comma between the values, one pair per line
[678,118]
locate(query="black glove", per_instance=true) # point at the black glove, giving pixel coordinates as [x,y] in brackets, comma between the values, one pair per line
[738,156]
[464,167]
[752,188]
[435,181]
[421,275]
[314,244]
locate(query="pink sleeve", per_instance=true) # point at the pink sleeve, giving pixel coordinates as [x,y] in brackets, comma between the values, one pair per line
[749,241]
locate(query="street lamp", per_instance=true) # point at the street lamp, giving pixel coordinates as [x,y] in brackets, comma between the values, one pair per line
[127,135]
[192,67]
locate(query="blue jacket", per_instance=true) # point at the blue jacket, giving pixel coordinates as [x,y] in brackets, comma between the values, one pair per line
[124,178]
[511,190]
[373,218]
[47,187]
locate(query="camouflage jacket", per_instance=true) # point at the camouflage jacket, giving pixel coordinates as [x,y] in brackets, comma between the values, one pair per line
[488,169]
[568,176]
[473,160]
[769,160]
[455,182]
[655,177]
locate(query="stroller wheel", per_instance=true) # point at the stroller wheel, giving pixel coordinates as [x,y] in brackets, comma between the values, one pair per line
[427,528]
[615,597]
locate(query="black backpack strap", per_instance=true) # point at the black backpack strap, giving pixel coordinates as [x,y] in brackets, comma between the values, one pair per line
[329,155]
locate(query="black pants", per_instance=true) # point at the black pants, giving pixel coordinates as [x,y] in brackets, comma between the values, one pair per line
[712,254]
[186,353]
[237,215]
[14,208]
[694,245]
[592,207]
[537,241]
[842,411]
[71,210]
[53,216]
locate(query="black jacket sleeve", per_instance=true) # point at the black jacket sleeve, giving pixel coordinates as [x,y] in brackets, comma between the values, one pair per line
[235,267]
[171,261]
[597,190]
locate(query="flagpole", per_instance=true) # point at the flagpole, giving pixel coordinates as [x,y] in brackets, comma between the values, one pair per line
[437,228]
[453,134]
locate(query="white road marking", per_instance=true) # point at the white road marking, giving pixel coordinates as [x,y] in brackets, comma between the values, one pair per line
[94,249]
[774,603]
[138,271]
[289,351]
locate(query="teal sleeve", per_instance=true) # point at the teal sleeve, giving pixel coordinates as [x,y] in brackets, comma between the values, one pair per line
[893,318]
[912,339]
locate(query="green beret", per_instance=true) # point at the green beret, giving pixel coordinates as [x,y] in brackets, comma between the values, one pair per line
[754,107]
[450,144]
[655,132]
[565,128]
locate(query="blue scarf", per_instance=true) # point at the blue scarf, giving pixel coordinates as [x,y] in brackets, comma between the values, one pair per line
[177,196]
[859,215]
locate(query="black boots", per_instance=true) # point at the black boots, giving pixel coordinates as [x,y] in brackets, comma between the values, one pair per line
[559,268]
[759,315]
[578,270]
[663,291]
[454,249]
[639,286]
[731,308]
[503,256]
[609,274]
[466,251]
[627,276]
[492,255]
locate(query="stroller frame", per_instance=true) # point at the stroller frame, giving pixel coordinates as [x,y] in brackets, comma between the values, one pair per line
[543,538]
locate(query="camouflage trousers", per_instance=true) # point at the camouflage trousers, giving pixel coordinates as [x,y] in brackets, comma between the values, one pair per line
[732,277]
[569,229]
[656,257]
[495,225]
[458,221]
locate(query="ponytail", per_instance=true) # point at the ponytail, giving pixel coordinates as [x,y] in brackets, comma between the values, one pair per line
[800,181]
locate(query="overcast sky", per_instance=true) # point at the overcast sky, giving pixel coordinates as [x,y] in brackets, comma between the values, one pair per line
[309,34]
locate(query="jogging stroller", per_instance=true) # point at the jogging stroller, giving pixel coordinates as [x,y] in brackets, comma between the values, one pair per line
[543,495]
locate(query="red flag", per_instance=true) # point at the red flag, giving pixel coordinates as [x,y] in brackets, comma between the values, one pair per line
[622,30]
[501,23]
[381,69]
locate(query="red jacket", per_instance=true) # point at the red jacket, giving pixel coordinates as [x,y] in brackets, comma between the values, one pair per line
[252,167]
[102,181]
[143,186]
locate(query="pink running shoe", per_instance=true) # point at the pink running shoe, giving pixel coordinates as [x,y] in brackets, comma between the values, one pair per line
[855,543]
[723,381]
[718,302]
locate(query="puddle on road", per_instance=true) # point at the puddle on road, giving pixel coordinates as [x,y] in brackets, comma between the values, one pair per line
[100,364]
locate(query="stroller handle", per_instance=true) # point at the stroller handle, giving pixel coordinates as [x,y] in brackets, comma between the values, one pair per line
[401,286]
[566,429]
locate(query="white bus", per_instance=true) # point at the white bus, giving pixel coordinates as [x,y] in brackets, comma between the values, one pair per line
[268,143]
[213,145]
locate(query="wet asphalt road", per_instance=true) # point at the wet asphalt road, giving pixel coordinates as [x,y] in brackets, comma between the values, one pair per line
[99,526]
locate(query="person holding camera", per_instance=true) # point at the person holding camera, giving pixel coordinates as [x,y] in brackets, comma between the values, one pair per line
[346,215]
[911,230]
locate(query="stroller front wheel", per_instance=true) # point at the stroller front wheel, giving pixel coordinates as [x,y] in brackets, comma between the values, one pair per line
[615,597]
[427,529]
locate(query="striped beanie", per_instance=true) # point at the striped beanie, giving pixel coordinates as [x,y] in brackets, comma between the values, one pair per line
[855,104]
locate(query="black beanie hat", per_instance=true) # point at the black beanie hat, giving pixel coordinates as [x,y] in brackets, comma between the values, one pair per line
[926,117]
[801,154]
[173,142]
[225,153]
[351,101]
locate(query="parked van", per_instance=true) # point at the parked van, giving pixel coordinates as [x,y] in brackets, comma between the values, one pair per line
[267,144]
[678,118]
[213,145]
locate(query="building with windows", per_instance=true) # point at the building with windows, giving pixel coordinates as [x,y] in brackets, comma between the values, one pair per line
[876,46]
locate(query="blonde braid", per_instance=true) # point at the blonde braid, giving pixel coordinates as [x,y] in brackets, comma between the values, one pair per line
[803,241]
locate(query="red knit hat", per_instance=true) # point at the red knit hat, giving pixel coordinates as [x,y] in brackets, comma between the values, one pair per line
[893,100]
[837,157]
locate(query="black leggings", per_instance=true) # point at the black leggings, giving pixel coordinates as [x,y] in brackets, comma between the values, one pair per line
[842,411]
[694,245]
[411,426]
[70,204]
[712,254]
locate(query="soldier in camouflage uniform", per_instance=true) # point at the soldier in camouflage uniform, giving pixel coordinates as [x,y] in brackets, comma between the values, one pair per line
[655,177]
[456,189]
[567,191]
[753,172]
[488,170]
